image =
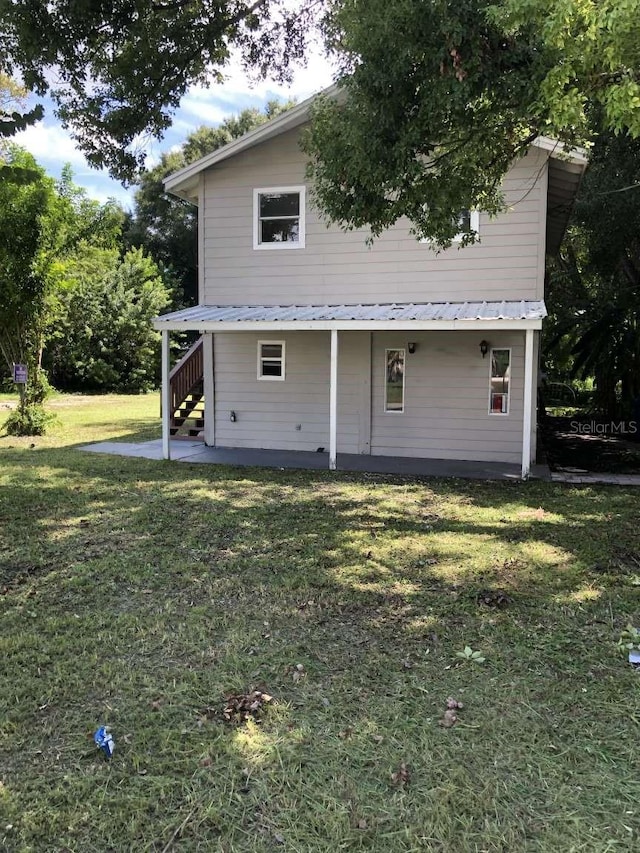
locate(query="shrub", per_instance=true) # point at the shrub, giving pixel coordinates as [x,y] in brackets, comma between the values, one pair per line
[31,419]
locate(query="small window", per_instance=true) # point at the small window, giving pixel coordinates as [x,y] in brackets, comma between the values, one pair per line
[279,218]
[394,380]
[500,381]
[469,220]
[271,360]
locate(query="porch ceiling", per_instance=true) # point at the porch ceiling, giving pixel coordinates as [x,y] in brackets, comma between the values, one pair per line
[521,314]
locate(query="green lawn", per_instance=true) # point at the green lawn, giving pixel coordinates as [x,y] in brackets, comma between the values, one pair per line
[143,594]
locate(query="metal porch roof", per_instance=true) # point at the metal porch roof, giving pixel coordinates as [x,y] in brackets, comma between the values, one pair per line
[356,316]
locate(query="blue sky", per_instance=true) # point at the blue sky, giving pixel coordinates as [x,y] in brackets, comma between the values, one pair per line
[52,146]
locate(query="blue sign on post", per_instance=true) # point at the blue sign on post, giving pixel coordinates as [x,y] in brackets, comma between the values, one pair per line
[20,374]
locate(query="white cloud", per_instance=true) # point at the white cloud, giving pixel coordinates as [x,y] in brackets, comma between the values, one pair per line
[210,105]
[50,143]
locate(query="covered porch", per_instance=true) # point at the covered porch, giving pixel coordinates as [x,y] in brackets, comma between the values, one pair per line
[337,323]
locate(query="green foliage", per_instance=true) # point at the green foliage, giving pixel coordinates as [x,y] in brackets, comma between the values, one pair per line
[593,59]
[41,222]
[32,419]
[102,337]
[468,654]
[437,99]
[165,225]
[121,70]
[434,111]
[12,120]
[629,639]
[594,328]
[28,241]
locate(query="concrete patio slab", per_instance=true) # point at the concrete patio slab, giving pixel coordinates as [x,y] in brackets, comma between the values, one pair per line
[197,452]
[590,479]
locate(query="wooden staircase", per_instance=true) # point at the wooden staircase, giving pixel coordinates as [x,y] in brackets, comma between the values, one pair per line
[187,395]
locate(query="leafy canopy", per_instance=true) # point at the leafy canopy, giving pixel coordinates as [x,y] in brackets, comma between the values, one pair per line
[118,70]
[439,98]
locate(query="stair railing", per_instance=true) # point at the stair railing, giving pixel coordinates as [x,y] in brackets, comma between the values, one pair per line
[185,375]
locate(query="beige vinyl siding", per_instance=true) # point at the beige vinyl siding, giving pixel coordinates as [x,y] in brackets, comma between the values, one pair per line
[447,398]
[339,267]
[268,412]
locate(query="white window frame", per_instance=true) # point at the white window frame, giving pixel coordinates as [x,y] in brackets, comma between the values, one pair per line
[509,350]
[300,243]
[475,226]
[404,381]
[261,376]
[457,238]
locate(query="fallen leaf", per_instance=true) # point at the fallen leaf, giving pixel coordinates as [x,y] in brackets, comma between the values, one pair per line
[241,706]
[362,824]
[401,775]
[450,718]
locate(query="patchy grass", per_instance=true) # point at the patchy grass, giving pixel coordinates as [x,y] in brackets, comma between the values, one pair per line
[152,596]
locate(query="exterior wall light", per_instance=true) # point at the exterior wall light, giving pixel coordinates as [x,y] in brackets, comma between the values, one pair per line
[484,348]
[232,417]
[412,346]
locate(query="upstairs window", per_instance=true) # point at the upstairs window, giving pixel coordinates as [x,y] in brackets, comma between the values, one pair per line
[278,218]
[469,220]
[271,360]
[500,382]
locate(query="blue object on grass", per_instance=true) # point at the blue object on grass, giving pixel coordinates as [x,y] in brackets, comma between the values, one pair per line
[104,741]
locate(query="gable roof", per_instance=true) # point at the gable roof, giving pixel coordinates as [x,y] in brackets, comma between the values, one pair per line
[566,165]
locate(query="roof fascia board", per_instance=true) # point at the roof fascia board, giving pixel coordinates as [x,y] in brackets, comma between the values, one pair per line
[559,151]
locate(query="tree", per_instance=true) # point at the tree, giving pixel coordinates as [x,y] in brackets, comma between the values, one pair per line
[28,238]
[121,69]
[40,223]
[102,339]
[594,286]
[439,98]
[165,225]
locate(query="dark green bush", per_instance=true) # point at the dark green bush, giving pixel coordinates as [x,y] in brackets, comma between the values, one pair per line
[28,420]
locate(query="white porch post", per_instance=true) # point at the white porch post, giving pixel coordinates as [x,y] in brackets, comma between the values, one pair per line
[209,390]
[333,401]
[166,397]
[528,400]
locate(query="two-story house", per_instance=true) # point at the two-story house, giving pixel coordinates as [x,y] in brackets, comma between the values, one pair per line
[311,338]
